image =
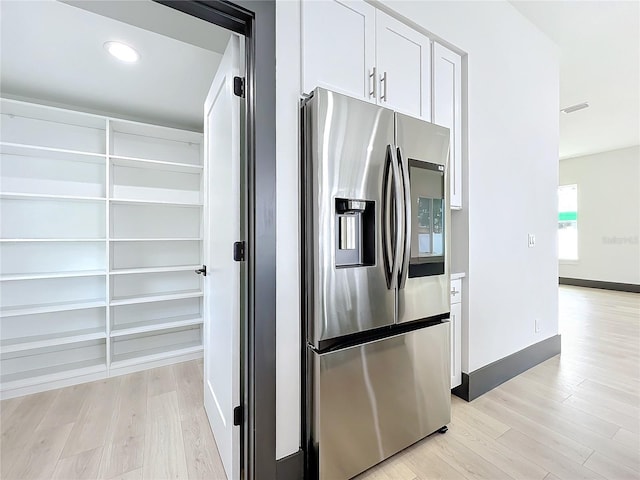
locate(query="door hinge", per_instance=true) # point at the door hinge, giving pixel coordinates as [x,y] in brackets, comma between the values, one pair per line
[238,86]
[239,251]
[238,416]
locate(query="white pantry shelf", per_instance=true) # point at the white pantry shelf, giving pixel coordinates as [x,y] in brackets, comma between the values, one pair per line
[8,148]
[71,183]
[38,341]
[52,373]
[51,307]
[17,240]
[156,164]
[155,298]
[153,354]
[157,239]
[156,325]
[154,202]
[46,275]
[128,271]
[38,196]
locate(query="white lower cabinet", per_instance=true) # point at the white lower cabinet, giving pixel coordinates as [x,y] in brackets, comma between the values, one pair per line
[101,224]
[456,332]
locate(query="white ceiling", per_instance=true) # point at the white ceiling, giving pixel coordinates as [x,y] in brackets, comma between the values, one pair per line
[53,52]
[599,43]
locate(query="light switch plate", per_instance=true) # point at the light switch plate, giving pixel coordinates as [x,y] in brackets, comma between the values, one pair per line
[531,240]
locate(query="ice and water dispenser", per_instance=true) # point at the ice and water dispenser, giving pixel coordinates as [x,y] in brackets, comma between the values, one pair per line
[355,232]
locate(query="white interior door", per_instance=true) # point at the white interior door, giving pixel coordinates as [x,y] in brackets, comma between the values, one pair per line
[222,283]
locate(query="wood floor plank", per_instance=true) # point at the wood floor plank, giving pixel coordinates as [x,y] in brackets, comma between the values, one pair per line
[608,402]
[131,408]
[203,459]
[512,463]
[190,387]
[566,446]
[132,475]
[546,457]
[628,438]
[521,384]
[66,406]
[554,415]
[609,392]
[92,426]
[19,424]
[122,455]
[551,476]
[164,455]
[429,466]
[161,380]
[610,469]
[8,406]
[83,466]
[40,455]
[602,411]
[491,425]
[397,471]
[463,458]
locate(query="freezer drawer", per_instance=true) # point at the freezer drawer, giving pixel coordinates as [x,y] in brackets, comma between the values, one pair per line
[370,401]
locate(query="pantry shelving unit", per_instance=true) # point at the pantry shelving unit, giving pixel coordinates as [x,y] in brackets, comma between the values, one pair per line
[101,229]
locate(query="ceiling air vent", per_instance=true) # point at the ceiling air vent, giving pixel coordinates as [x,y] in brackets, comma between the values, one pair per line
[575,108]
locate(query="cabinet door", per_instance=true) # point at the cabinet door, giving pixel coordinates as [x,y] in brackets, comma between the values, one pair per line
[338,41]
[456,344]
[403,60]
[447,111]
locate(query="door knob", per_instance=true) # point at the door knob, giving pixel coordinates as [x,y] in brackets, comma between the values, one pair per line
[202,271]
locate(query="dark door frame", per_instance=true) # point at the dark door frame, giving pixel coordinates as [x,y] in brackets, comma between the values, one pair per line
[255,19]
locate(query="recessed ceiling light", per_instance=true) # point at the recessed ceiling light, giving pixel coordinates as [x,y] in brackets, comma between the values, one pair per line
[122,52]
[575,108]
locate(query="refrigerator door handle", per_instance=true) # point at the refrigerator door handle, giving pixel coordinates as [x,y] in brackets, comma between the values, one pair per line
[406,248]
[391,242]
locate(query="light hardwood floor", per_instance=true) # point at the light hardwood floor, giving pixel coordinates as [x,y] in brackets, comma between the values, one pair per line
[147,425]
[576,416]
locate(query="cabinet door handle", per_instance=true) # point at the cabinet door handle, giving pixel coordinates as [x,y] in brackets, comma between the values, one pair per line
[383,83]
[454,292]
[372,83]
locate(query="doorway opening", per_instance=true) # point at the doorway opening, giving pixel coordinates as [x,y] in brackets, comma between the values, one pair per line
[108,211]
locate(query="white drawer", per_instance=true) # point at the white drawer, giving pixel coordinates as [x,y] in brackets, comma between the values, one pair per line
[456,290]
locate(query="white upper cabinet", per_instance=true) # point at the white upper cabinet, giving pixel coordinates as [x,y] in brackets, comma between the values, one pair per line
[338,41]
[447,111]
[350,47]
[403,63]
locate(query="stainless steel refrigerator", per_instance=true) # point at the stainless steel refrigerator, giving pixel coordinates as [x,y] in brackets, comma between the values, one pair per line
[375,282]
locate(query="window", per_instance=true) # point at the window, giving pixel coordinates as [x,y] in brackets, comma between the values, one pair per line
[568,222]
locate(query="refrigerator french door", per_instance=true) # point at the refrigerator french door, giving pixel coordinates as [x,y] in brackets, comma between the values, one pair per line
[375,269]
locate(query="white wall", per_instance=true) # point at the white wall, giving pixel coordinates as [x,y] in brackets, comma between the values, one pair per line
[287,229]
[608,215]
[512,179]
